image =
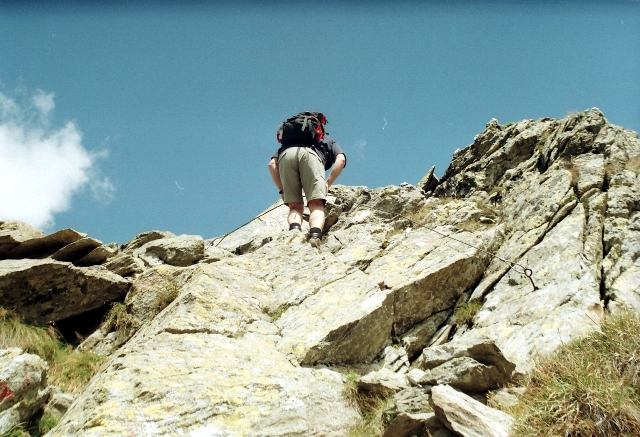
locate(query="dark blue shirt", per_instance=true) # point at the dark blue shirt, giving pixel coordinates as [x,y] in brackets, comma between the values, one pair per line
[327,150]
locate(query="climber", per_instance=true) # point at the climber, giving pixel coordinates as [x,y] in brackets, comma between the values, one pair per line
[295,167]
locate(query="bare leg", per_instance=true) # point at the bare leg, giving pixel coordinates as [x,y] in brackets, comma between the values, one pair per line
[316,213]
[295,212]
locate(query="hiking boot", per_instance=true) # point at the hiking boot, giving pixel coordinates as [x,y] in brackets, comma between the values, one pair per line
[314,242]
[315,234]
[295,227]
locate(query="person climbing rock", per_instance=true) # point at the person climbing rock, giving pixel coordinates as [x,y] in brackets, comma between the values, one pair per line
[300,163]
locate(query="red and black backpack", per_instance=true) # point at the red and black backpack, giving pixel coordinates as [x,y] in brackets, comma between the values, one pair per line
[305,128]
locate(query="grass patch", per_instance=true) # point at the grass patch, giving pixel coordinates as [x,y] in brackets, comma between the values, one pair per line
[46,423]
[16,431]
[119,319]
[465,313]
[372,408]
[68,369]
[589,387]
[279,312]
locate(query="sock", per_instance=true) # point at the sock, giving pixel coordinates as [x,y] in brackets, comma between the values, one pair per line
[293,226]
[315,232]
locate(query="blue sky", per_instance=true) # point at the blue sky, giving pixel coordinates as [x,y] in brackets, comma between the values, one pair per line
[126,117]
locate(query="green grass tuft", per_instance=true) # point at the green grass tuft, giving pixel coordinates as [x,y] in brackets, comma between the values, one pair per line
[589,387]
[465,313]
[68,369]
[371,407]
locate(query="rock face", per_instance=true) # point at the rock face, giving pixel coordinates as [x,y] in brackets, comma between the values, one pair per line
[46,290]
[23,387]
[527,238]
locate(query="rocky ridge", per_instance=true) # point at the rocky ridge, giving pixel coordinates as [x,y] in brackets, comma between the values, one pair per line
[255,333]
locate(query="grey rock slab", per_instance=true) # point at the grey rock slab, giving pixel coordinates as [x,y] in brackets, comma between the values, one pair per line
[152,291]
[417,377]
[594,203]
[412,414]
[427,272]
[625,291]
[346,321]
[467,417]
[293,270]
[45,246]
[23,387]
[212,253]
[181,251]
[511,250]
[418,337]
[125,265]
[482,350]
[395,359]
[591,172]
[358,244]
[46,290]
[58,404]
[143,238]
[208,365]
[524,322]
[12,233]
[256,233]
[429,181]
[383,382]
[409,425]
[465,374]
[99,255]
[504,398]
[76,250]
[533,201]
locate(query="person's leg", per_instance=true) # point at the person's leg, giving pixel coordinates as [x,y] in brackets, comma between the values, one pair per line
[291,185]
[316,213]
[312,175]
[295,214]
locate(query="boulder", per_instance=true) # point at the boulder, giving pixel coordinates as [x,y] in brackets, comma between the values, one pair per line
[383,382]
[429,181]
[418,337]
[143,238]
[481,350]
[467,417]
[465,374]
[395,359]
[42,247]
[12,233]
[76,250]
[125,265]
[412,414]
[182,251]
[23,387]
[58,404]
[46,290]
[99,255]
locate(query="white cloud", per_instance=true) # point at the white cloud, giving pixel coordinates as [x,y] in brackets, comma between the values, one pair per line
[41,168]
[359,148]
[43,102]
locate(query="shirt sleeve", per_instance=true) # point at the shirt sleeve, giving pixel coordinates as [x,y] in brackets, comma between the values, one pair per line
[336,150]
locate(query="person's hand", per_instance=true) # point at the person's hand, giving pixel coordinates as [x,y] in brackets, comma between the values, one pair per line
[326,191]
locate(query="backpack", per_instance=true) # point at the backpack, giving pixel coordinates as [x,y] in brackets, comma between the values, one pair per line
[305,128]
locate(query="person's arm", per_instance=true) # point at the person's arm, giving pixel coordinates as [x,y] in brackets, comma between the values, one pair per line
[275,175]
[336,169]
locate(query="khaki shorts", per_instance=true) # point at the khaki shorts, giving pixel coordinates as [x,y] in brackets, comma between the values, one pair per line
[300,168]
